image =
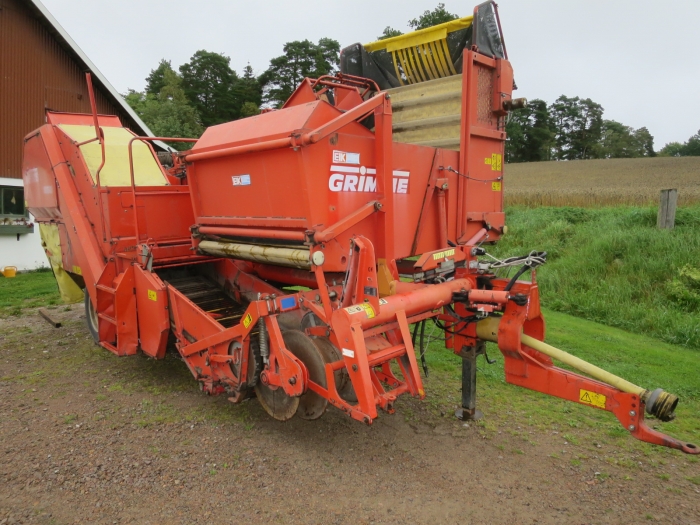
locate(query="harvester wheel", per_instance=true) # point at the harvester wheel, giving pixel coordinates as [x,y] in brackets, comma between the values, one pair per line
[91,318]
[342,380]
[311,405]
[330,354]
[275,402]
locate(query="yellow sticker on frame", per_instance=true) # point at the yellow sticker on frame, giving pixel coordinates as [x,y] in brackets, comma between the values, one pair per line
[591,398]
[368,310]
[496,186]
[496,162]
[152,295]
[247,320]
[443,255]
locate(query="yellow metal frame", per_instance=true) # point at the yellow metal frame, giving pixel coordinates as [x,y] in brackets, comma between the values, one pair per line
[422,55]
[116,171]
[51,242]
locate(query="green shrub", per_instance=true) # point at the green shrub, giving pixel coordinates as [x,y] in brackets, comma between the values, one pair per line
[685,289]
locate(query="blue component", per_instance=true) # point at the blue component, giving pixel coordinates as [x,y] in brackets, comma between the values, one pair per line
[288,303]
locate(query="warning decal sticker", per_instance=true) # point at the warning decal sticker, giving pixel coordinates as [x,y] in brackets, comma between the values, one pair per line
[247,320]
[152,295]
[496,186]
[591,398]
[443,255]
[364,307]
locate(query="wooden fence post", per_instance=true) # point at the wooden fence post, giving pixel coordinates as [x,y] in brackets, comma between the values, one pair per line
[667,209]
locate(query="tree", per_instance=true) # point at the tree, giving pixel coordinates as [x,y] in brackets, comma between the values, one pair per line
[249,109]
[646,140]
[620,141]
[248,87]
[579,127]
[530,133]
[248,90]
[672,149]
[168,113]
[156,79]
[301,58]
[389,32]
[691,148]
[208,82]
[437,16]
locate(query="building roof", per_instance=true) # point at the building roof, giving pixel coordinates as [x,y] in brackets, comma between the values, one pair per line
[64,39]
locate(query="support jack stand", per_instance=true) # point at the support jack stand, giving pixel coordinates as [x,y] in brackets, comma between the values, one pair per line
[468,412]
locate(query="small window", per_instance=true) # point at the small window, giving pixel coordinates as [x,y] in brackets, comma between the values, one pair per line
[12,202]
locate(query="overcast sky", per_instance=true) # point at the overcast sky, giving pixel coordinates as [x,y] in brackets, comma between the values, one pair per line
[639,59]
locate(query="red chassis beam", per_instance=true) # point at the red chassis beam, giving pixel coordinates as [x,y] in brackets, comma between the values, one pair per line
[529,368]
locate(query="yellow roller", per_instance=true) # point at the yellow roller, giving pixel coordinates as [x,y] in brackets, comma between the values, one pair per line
[294,257]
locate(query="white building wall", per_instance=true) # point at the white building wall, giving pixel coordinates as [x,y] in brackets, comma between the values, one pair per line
[25,253]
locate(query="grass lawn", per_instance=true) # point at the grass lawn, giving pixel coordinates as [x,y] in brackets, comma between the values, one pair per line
[27,290]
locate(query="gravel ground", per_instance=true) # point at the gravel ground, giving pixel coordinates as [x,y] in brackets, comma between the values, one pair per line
[86,437]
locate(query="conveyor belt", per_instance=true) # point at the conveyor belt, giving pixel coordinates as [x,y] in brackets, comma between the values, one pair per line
[210,298]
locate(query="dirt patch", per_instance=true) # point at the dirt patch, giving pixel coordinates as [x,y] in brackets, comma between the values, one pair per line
[87,437]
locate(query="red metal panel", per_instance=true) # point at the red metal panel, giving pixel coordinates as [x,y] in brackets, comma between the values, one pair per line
[39,181]
[151,307]
[482,146]
[307,189]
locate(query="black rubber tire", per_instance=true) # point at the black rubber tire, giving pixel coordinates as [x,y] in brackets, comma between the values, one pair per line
[91,318]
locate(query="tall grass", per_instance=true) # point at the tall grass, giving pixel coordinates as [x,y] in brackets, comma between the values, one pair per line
[613,266]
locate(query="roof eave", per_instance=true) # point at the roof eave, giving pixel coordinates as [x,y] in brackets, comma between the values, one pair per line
[96,72]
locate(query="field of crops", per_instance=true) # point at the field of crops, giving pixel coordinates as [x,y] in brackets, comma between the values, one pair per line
[605,182]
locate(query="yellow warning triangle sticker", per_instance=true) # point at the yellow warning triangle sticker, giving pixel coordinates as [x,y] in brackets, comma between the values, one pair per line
[592,398]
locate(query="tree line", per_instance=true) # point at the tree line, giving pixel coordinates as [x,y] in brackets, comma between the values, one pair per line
[574,129]
[690,148]
[206,91]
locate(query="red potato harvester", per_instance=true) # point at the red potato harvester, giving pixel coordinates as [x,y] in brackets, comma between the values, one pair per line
[289,253]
